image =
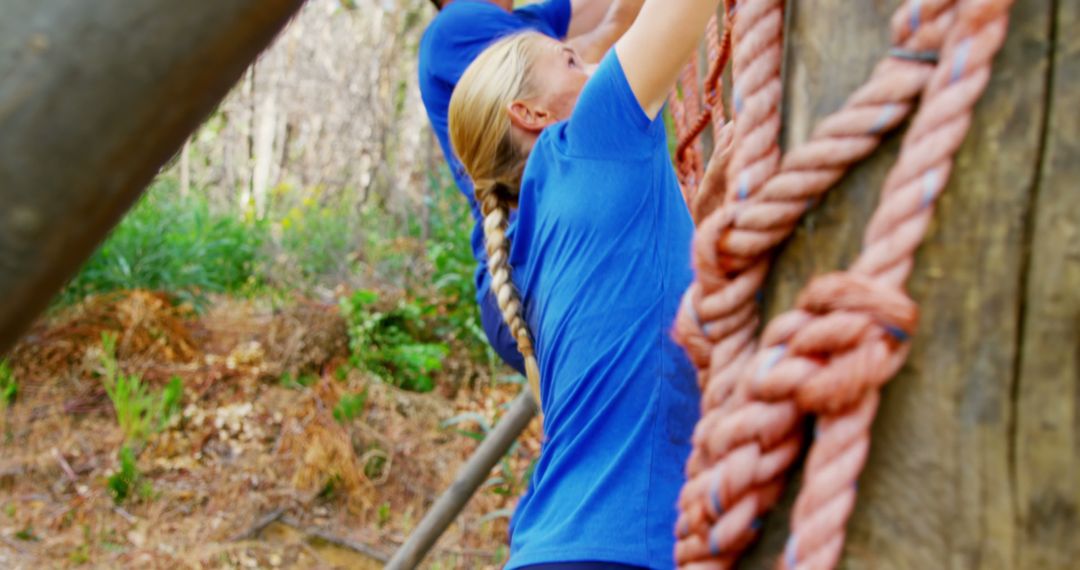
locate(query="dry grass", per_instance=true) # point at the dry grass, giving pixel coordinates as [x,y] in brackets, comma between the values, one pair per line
[245,446]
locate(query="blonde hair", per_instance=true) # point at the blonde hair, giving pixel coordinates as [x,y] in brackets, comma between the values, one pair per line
[482,139]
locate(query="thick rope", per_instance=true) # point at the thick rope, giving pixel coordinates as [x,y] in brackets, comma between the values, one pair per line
[848,334]
[703,108]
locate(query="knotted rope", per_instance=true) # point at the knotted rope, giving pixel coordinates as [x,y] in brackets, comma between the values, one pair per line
[849,331]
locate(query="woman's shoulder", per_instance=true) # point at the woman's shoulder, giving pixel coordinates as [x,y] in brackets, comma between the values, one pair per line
[608,121]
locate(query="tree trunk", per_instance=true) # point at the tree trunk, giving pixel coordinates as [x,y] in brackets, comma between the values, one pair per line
[265,124]
[975,461]
[95,97]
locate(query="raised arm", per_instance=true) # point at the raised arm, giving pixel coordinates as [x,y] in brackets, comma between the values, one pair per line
[586,15]
[658,44]
[597,24]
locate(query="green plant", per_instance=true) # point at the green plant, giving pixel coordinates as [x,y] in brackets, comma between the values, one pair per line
[27,534]
[139,411]
[449,252]
[350,406]
[9,386]
[394,344]
[383,514]
[317,241]
[329,489]
[297,382]
[172,243]
[80,555]
[124,481]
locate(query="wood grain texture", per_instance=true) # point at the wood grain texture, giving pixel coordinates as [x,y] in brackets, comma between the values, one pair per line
[1047,437]
[95,97]
[939,489]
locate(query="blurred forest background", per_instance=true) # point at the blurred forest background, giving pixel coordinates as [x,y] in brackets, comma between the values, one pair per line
[275,360]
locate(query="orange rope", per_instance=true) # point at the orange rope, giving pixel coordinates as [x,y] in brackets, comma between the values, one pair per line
[849,332]
[688,160]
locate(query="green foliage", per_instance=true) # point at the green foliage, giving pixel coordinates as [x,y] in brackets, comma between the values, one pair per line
[383,514]
[449,251]
[318,243]
[173,244]
[124,481]
[27,534]
[329,489]
[139,411]
[171,398]
[395,345]
[80,555]
[9,386]
[350,406]
[297,382]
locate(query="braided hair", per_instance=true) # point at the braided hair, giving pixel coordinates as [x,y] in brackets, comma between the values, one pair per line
[482,139]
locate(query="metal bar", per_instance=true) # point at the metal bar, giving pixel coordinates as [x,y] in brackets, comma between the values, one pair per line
[468,480]
[94,98]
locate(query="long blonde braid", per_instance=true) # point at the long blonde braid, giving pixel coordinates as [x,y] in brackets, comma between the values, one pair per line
[482,139]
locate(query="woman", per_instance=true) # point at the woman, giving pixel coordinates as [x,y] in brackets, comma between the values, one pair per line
[457,35]
[600,254]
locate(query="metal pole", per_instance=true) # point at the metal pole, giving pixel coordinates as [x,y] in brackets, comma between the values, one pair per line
[469,478]
[95,98]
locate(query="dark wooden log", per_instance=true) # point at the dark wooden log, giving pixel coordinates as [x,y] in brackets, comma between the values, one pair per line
[95,97]
[974,461]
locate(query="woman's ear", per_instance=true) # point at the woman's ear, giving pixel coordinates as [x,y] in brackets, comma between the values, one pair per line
[528,117]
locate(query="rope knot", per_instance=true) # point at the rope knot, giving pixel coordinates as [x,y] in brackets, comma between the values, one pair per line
[844,291]
[849,335]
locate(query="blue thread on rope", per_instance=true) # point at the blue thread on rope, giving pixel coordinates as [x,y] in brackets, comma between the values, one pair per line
[930,184]
[916,16]
[714,547]
[883,120]
[714,496]
[744,185]
[738,101]
[774,356]
[961,59]
[755,525]
[789,551]
[697,319]
[897,333]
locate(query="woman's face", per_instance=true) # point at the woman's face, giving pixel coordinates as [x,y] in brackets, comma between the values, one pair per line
[560,75]
[558,78]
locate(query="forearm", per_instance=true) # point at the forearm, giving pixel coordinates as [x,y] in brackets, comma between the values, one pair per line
[619,16]
[658,44]
[586,15]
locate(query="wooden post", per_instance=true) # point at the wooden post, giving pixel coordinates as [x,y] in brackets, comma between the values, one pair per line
[95,97]
[975,461]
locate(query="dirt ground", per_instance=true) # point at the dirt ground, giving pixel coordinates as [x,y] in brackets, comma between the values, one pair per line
[254,473]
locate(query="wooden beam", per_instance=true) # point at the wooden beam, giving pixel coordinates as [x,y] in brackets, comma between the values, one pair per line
[95,98]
